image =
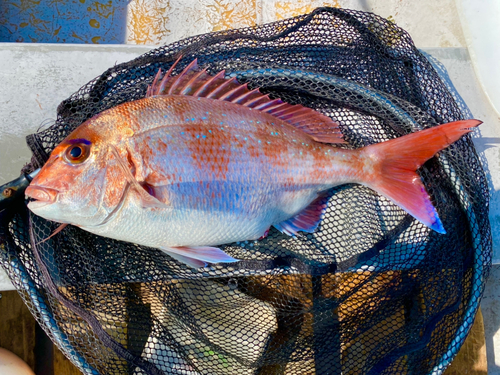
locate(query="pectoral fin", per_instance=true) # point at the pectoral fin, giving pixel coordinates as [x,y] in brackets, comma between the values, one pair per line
[147,200]
[197,257]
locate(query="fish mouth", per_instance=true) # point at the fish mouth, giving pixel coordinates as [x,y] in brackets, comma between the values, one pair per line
[42,196]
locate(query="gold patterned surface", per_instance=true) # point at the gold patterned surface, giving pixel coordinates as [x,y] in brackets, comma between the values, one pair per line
[292,8]
[151,22]
[158,22]
[227,14]
[148,21]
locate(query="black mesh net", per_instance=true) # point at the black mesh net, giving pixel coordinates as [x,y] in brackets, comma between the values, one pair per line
[371,291]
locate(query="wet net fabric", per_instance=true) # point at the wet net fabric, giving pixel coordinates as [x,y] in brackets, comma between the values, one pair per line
[371,291]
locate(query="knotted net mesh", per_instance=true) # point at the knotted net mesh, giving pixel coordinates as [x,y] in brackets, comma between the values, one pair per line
[370,291]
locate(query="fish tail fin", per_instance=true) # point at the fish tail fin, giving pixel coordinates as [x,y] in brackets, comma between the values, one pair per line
[397,160]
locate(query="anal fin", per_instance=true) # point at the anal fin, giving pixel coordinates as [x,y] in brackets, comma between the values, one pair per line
[198,256]
[266,233]
[306,220]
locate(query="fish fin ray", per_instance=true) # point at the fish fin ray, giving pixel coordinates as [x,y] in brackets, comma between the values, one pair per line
[286,228]
[178,79]
[190,85]
[192,82]
[147,200]
[398,159]
[306,220]
[57,230]
[264,235]
[150,92]
[190,262]
[198,256]
[158,88]
[253,98]
[211,83]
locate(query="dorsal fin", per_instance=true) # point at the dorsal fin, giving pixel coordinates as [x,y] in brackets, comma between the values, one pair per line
[195,82]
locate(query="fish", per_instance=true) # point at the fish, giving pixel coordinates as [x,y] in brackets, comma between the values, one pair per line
[202,161]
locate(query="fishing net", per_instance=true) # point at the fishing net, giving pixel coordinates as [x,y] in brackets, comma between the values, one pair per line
[370,291]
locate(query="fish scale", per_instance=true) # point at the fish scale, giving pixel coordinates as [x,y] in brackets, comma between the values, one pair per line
[229,188]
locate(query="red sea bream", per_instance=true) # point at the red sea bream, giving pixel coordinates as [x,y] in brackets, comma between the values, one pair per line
[203,161]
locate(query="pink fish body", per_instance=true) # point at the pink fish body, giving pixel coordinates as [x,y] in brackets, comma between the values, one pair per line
[202,161]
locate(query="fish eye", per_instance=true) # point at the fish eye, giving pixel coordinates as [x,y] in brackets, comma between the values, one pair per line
[77,153]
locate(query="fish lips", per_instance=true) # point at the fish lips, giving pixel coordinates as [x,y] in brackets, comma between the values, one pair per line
[43,196]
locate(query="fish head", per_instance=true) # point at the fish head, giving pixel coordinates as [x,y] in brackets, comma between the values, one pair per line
[72,185]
